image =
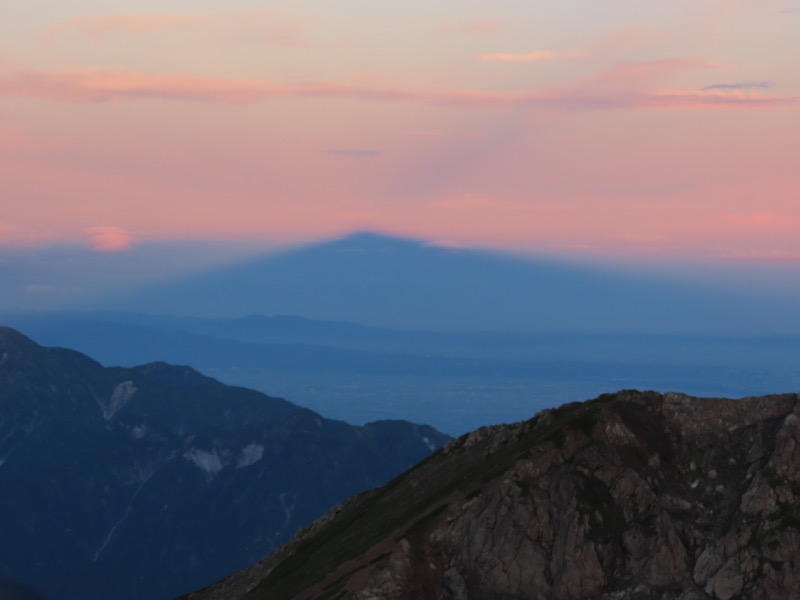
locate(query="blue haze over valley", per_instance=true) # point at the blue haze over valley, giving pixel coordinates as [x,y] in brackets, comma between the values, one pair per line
[373,327]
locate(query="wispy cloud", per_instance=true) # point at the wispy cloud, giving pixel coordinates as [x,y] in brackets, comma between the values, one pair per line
[626,38]
[100,85]
[536,56]
[686,99]
[604,92]
[745,85]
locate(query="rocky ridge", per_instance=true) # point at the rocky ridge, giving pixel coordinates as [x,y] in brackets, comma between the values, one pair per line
[635,495]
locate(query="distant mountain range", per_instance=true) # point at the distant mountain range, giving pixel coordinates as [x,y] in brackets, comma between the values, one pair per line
[402,283]
[635,495]
[146,482]
[455,381]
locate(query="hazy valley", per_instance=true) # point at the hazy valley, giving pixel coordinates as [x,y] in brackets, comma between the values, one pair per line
[379,327]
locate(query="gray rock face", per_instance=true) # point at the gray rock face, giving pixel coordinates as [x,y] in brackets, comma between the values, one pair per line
[631,496]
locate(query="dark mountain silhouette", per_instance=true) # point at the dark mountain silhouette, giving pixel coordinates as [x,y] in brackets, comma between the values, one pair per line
[630,496]
[144,482]
[395,282]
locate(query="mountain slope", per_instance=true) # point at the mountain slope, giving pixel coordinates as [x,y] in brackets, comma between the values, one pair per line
[635,495]
[149,481]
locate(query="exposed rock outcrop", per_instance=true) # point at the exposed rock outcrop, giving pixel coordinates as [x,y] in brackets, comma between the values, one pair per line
[630,496]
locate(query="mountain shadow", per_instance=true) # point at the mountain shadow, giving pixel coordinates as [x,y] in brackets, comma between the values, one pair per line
[395,282]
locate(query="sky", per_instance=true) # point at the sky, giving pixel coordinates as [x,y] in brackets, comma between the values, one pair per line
[643,128]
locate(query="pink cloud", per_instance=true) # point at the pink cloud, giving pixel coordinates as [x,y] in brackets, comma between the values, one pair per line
[699,100]
[629,37]
[98,85]
[109,239]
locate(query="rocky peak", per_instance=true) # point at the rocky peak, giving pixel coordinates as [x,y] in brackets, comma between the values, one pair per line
[629,496]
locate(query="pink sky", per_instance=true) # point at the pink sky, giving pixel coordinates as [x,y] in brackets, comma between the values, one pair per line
[667,129]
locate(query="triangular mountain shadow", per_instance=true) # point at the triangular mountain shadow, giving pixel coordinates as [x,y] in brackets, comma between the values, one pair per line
[402,283]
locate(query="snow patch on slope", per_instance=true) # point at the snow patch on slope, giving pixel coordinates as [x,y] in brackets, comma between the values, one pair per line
[431,445]
[210,462]
[250,455]
[119,398]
